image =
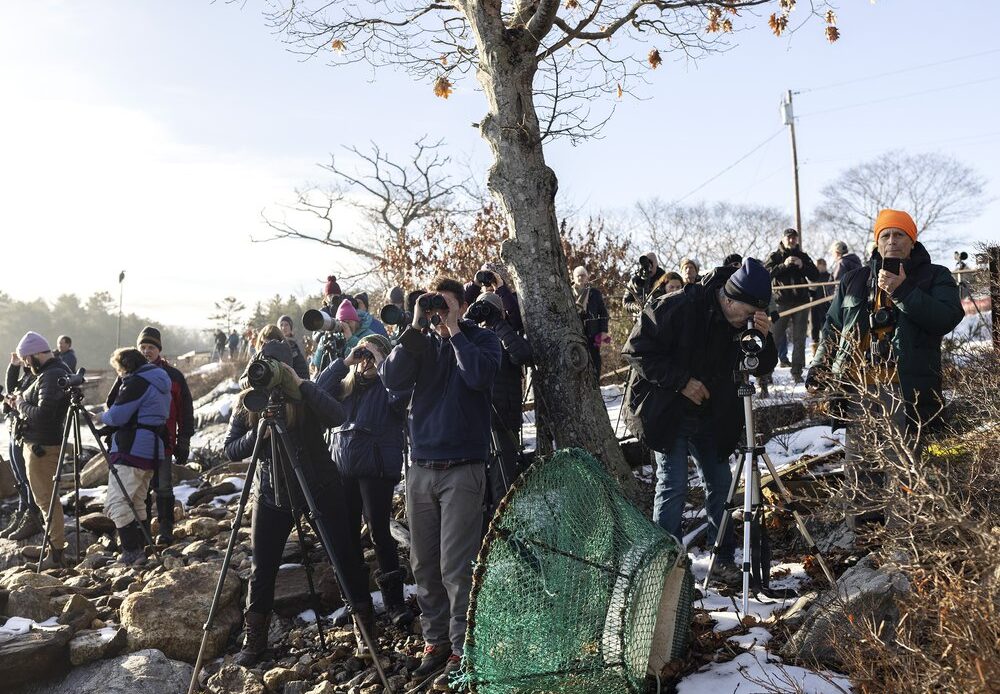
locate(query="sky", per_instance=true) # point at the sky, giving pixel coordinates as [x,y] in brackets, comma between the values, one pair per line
[149,136]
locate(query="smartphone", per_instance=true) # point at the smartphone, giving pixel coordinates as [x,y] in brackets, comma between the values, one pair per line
[891,265]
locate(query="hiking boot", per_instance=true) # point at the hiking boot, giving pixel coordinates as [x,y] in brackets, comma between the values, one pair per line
[165,514]
[728,574]
[53,560]
[391,585]
[785,364]
[254,640]
[31,525]
[15,521]
[446,680]
[364,614]
[434,658]
[131,540]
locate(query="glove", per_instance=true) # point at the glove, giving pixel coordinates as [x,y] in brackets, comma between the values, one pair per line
[182,450]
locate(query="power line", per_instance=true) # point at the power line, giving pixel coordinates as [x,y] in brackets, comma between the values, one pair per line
[900,96]
[898,72]
[738,161]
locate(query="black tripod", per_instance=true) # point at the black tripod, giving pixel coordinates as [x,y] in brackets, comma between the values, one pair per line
[756,550]
[283,458]
[72,385]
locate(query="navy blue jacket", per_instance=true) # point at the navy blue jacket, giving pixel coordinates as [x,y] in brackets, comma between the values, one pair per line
[452,382]
[370,441]
[144,398]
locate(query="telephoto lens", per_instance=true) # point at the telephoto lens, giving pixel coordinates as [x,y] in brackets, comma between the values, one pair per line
[263,373]
[72,380]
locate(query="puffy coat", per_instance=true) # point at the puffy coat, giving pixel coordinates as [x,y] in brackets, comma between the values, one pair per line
[782,274]
[320,411]
[680,336]
[927,307]
[180,421]
[844,264]
[44,405]
[139,414]
[369,443]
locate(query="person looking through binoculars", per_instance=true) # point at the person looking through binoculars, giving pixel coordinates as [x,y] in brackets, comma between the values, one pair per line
[367,448]
[647,282]
[273,391]
[882,340]
[684,400]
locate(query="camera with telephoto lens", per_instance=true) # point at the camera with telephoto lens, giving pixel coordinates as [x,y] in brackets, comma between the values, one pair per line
[391,314]
[262,376]
[71,381]
[486,277]
[318,320]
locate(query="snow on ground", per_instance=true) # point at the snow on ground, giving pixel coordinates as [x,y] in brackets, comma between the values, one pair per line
[786,449]
[756,671]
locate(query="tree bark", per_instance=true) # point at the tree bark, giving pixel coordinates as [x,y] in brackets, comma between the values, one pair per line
[525,188]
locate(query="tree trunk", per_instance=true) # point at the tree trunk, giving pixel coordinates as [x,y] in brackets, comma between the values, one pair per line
[525,189]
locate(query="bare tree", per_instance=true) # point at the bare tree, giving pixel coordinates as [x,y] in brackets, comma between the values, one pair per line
[937,190]
[228,312]
[541,64]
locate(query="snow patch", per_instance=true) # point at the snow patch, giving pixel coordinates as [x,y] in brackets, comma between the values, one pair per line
[749,672]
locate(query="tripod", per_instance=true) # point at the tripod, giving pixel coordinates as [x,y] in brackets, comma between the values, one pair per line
[756,553]
[282,457]
[75,413]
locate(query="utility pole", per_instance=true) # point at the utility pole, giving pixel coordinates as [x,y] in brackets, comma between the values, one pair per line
[788,118]
[121,284]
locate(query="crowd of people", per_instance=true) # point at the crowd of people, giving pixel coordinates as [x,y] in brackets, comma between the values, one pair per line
[430,391]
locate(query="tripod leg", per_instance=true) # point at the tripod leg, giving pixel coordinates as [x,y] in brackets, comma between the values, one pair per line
[727,516]
[748,473]
[307,563]
[227,558]
[800,524]
[77,447]
[54,497]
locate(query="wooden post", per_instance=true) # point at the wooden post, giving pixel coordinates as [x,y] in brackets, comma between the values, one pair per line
[795,167]
[993,253]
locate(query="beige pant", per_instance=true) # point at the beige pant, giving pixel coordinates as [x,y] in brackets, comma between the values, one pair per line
[136,483]
[41,469]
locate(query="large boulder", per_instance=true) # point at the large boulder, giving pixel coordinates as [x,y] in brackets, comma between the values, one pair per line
[863,592]
[96,644]
[168,613]
[94,473]
[143,672]
[291,590]
[32,655]
[78,612]
[30,603]
[234,679]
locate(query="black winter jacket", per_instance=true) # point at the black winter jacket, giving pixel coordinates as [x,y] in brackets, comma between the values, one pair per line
[44,405]
[680,336]
[320,411]
[638,292]
[593,313]
[507,386]
[791,274]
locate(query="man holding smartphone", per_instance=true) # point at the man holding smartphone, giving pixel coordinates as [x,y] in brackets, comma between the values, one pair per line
[883,333]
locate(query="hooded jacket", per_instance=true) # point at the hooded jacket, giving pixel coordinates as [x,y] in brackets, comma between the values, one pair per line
[180,421]
[639,292]
[926,306]
[139,415]
[782,274]
[44,405]
[843,265]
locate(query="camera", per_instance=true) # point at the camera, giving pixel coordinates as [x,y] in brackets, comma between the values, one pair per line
[262,376]
[432,302]
[72,380]
[364,353]
[751,342]
[482,312]
[316,319]
[486,277]
[391,314]
[643,269]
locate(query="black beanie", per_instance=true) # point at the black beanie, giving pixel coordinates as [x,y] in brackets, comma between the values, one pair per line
[149,336]
[751,284]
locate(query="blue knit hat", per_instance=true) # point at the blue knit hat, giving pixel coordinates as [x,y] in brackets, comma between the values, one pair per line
[751,284]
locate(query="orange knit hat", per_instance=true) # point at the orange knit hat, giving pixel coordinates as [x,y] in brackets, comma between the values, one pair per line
[895,219]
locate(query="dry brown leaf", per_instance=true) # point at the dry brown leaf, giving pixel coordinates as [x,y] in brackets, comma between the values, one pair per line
[786,5]
[620,92]
[831,17]
[572,4]
[654,59]
[443,87]
[777,23]
[444,58]
[727,26]
[338,45]
[832,34]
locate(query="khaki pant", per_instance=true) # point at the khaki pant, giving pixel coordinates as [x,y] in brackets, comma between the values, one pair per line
[41,469]
[136,483]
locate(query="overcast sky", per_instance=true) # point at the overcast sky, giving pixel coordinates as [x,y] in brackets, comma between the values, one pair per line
[148,136]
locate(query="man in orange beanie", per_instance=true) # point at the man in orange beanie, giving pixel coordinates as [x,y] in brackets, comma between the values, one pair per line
[881,345]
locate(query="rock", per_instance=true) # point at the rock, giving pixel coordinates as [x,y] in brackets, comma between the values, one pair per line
[78,612]
[204,528]
[840,538]
[143,672]
[29,603]
[231,469]
[276,678]
[7,486]
[50,586]
[209,493]
[97,523]
[36,654]
[297,687]
[234,679]
[291,590]
[182,473]
[96,644]
[323,688]
[95,472]
[10,553]
[168,613]
[864,592]
[199,549]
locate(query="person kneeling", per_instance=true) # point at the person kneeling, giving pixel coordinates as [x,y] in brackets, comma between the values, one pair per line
[138,416]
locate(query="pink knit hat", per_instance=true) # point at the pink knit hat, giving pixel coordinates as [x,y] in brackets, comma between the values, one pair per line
[346,311]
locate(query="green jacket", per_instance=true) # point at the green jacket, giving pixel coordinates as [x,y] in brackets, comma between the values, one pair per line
[927,307]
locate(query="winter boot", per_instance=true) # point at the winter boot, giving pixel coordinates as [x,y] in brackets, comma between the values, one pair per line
[391,585]
[31,525]
[435,657]
[365,615]
[15,521]
[447,680]
[53,560]
[254,640]
[165,513]
[131,541]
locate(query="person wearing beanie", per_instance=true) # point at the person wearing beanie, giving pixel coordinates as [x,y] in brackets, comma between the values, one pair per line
[179,428]
[27,519]
[365,317]
[843,261]
[790,265]
[397,296]
[331,291]
[683,399]
[896,362]
[42,407]
[308,412]
[367,449]
[352,326]
[503,288]
[689,270]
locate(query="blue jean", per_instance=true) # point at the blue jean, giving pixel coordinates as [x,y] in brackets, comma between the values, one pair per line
[25,501]
[672,485]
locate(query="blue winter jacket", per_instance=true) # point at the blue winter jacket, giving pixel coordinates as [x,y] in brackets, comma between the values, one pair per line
[144,399]
[452,383]
[370,441]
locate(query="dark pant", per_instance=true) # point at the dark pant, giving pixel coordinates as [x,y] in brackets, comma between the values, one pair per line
[796,322]
[269,530]
[25,501]
[372,496]
[595,359]
[163,486]
[817,316]
[502,468]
